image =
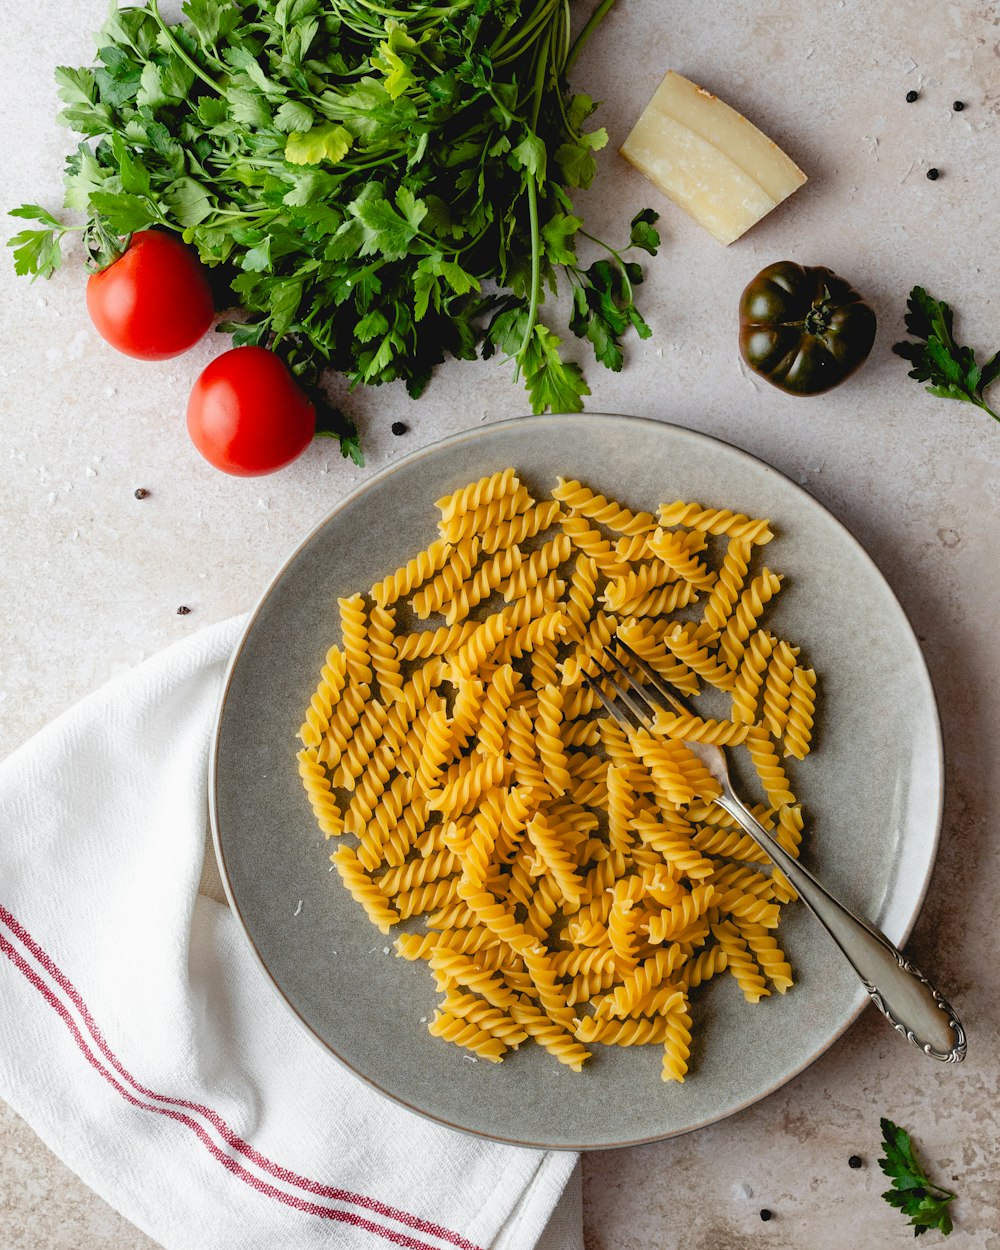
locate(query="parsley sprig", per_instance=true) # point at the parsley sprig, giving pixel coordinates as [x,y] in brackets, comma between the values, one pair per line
[379,186]
[952,370]
[921,1199]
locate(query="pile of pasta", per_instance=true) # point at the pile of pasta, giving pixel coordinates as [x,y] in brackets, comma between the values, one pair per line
[574,879]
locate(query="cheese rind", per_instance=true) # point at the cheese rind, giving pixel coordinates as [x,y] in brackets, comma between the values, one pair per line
[709,159]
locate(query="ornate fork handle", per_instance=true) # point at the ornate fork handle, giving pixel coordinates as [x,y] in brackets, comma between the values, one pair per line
[903,994]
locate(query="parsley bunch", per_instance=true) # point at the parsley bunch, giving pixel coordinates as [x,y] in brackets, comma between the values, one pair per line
[382,184]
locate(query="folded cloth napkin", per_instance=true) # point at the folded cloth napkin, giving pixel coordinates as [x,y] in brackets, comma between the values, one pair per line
[140,1039]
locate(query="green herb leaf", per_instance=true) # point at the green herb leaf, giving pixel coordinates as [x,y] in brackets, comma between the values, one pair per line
[643,235]
[912,1193]
[951,370]
[553,384]
[36,252]
[328,142]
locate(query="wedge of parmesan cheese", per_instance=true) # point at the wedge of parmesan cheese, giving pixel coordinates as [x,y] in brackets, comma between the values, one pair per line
[709,159]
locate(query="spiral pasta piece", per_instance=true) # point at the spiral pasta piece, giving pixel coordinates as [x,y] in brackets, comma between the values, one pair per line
[638,635]
[410,576]
[764,948]
[362,744]
[593,543]
[777,688]
[355,633]
[676,850]
[580,499]
[438,591]
[622,592]
[768,765]
[637,985]
[629,1032]
[729,584]
[462,794]
[740,963]
[750,677]
[468,1007]
[522,527]
[333,676]
[382,652]
[480,647]
[486,517]
[554,855]
[624,919]
[476,494]
[665,925]
[483,582]
[364,890]
[716,521]
[556,1039]
[664,601]
[418,872]
[673,551]
[705,965]
[690,728]
[468,1035]
[539,564]
[801,706]
[551,751]
[747,613]
[693,653]
[465,718]
[425,642]
[676,1046]
[585,657]
[320,793]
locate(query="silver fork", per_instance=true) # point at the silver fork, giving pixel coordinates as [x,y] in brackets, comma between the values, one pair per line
[903,994]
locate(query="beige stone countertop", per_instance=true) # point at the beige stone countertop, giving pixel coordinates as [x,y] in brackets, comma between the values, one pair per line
[92,578]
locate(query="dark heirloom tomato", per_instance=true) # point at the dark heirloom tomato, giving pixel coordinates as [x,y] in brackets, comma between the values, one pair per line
[804,329]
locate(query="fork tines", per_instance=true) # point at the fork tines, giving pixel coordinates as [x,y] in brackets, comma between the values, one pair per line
[641,710]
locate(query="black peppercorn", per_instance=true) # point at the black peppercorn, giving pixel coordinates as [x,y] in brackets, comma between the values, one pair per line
[911,96]
[765,1215]
[855,1161]
[398,427]
[183,610]
[140,492]
[934,174]
[958,106]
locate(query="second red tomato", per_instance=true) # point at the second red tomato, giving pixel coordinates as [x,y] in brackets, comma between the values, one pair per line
[247,416]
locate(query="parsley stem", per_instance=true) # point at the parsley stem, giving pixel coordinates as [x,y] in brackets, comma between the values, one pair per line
[532,189]
[509,51]
[188,61]
[986,408]
[594,21]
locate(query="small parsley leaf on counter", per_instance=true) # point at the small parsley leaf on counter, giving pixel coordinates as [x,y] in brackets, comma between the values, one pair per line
[912,1192]
[951,370]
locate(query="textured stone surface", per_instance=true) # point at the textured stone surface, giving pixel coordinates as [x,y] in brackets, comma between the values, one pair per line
[92,578]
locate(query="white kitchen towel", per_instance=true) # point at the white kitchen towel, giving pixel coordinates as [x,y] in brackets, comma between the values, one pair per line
[143,1043]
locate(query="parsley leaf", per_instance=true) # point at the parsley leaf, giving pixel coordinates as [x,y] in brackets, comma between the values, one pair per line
[912,1193]
[952,370]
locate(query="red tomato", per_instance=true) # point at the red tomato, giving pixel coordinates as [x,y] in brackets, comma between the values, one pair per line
[246,415]
[153,302]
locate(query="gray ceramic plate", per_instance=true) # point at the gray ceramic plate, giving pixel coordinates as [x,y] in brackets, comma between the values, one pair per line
[872,793]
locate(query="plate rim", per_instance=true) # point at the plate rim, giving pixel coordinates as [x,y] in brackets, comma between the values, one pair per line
[861,998]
